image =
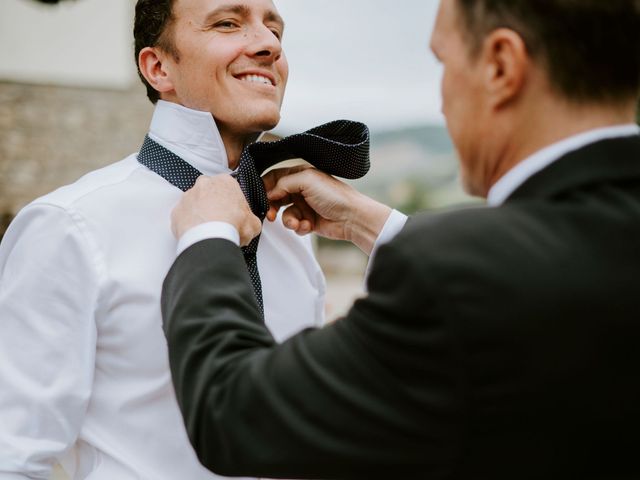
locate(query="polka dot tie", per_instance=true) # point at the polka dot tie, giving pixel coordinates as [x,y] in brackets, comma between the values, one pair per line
[339,148]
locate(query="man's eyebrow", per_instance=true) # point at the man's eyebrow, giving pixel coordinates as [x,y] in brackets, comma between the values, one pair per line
[243,11]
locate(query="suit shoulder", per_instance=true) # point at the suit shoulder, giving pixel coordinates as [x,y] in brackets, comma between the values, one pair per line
[507,230]
[446,226]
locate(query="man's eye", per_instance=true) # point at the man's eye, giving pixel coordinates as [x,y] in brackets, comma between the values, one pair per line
[277,34]
[226,24]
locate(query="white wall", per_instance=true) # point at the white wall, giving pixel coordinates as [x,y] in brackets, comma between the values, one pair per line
[86,43]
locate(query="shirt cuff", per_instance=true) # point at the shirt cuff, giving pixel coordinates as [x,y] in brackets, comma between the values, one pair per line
[205,231]
[392,227]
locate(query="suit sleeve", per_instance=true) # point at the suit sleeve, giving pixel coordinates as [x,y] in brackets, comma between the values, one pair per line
[373,394]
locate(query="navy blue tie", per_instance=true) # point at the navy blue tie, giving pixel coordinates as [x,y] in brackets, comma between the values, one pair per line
[339,148]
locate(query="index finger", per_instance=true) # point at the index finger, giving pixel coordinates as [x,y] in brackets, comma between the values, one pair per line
[272,177]
[286,186]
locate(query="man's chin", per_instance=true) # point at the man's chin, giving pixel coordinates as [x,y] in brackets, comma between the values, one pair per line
[268,122]
[471,186]
[248,128]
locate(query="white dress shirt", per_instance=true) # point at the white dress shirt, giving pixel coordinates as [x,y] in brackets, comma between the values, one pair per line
[84,373]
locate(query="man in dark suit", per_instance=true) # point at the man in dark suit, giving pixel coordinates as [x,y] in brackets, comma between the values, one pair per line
[497,342]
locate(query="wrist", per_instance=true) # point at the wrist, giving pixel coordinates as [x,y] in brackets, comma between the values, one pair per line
[366,222]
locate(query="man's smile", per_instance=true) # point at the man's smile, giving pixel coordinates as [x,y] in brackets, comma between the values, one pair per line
[259,78]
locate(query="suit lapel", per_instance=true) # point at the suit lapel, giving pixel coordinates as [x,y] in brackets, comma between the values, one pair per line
[610,160]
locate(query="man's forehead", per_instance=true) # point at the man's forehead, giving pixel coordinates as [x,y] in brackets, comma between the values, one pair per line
[446,21]
[205,7]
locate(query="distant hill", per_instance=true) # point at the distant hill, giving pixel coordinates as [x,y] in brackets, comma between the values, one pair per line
[432,138]
[413,169]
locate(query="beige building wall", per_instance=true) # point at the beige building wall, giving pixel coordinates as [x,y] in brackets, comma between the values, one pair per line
[70,98]
[85,43]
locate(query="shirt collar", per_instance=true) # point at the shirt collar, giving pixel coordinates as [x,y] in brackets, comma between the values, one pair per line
[192,135]
[519,174]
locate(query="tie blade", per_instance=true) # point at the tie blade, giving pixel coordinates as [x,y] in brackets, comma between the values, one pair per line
[251,261]
[340,148]
[346,132]
[350,161]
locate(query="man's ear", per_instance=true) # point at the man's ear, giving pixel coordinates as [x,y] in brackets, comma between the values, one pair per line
[154,69]
[506,65]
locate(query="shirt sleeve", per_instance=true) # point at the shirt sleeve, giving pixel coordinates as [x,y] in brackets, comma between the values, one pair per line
[48,295]
[392,227]
[208,230]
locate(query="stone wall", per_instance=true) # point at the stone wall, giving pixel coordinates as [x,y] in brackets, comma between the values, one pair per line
[50,136]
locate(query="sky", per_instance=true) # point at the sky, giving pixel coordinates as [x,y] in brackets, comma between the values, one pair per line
[366,60]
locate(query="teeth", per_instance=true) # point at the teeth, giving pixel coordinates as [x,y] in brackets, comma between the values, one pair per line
[256,79]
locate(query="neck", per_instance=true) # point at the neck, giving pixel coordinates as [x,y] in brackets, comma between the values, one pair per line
[234,147]
[546,123]
[234,144]
[233,141]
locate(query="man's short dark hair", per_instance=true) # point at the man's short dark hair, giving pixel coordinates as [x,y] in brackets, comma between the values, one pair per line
[153,28]
[590,48]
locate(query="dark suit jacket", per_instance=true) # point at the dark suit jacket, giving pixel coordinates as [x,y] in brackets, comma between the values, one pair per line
[494,343]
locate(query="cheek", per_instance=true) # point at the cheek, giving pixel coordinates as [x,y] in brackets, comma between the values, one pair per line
[283,69]
[443,92]
[450,93]
[220,58]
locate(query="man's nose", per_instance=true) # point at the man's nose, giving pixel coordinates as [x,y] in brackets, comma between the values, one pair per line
[264,44]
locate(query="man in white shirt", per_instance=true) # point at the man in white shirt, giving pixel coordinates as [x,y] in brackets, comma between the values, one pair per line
[84,376]
[494,343]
